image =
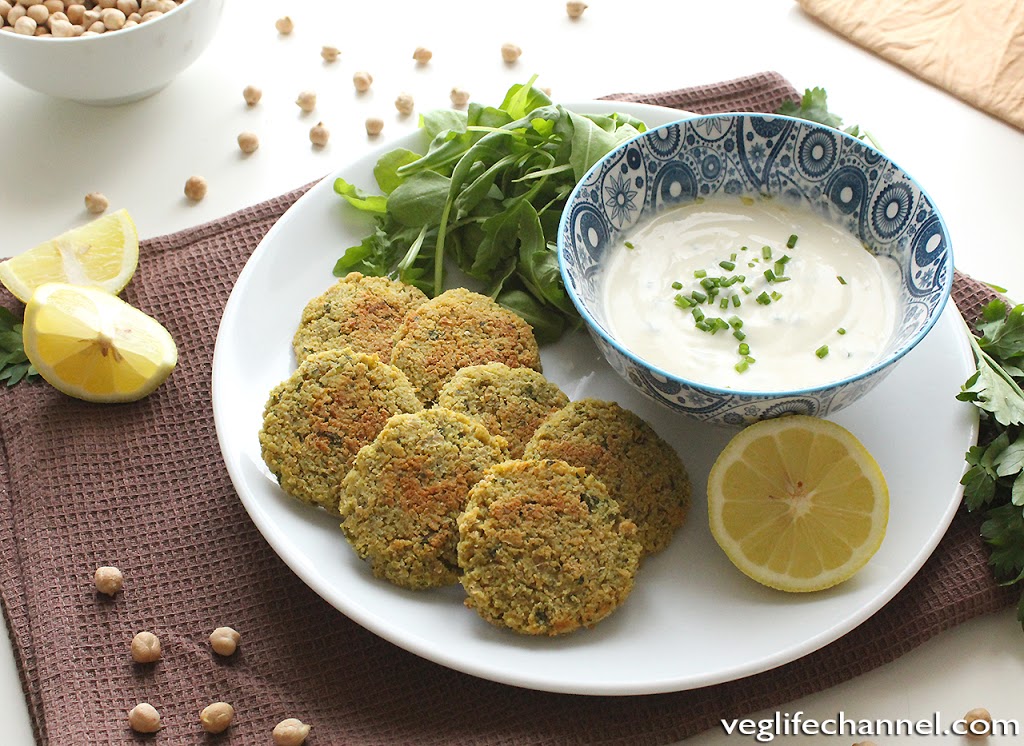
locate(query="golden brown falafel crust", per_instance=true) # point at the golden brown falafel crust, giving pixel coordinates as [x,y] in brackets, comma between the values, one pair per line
[640,470]
[544,549]
[357,311]
[316,421]
[401,499]
[457,329]
[511,402]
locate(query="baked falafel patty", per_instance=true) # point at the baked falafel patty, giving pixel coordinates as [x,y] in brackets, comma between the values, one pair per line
[401,499]
[357,311]
[457,329]
[544,549]
[316,420]
[640,470]
[511,402]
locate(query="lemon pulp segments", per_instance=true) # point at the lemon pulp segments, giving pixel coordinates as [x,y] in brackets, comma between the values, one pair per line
[94,346]
[103,253]
[797,503]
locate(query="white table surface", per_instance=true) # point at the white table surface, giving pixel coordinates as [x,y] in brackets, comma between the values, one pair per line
[140,155]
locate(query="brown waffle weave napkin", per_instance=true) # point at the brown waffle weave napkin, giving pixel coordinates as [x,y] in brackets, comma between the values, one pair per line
[142,486]
[972,48]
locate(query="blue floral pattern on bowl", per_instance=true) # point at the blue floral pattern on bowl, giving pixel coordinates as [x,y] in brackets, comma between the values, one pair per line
[835,175]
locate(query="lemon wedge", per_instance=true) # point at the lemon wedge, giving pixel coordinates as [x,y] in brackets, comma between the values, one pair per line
[103,253]
[797,503]
[92,345]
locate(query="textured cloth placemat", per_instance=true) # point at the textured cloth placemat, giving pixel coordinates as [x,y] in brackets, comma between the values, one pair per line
[142,486]
[972,48]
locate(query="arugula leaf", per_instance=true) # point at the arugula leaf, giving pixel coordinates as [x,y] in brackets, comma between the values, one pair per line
[813,107]
[14,365]
[360,199]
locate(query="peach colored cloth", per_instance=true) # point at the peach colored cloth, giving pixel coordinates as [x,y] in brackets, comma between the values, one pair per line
[972,48]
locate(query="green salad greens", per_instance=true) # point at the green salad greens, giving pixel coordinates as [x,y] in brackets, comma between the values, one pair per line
[487,195]
[14,365]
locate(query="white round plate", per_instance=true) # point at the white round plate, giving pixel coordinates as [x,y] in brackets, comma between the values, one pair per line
[692,620]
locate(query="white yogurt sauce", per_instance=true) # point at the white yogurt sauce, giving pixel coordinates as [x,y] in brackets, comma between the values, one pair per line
[785,337]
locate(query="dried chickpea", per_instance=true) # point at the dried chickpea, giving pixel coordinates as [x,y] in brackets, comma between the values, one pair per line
[42,31]
[65,30]
[106,3]
[109,580]
[459,97]
[404,104]
[16,12]
[575,8]
[39,14]
[113,19]
[25,26]
[127,6]
[99,27]
[248,142]
[252,95]
[510,53]
[284,25]
[30,3]
[374,126]
[131,21]
[422,55]
[5,8]
[290,732]
[362,80]
[75,12]
[195,188]
[984,719]
[150,16]
[865,743]
[145,648]
[90,16]
[95,202]
[319,135]
[306,101]
[216,717]
[144,718]
[54,6]
[59,15]
[330,54]
[135,18]
[224,641]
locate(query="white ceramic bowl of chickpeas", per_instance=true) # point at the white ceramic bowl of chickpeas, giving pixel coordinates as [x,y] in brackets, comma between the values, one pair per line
[103,52]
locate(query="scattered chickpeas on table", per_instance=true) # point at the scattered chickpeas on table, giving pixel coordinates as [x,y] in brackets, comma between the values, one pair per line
[248,142]
[144,718]
[319,135]
[252,95]
[109,580]
[575,8]
[195,188]
[422,55]
[404,103]
[330,54]
[284,25]
[224,641]
[95,202]
[216,717]
[978,714]
[290,732]
[306,101]
[374,126]
[510,53]
[362,80]
[145,648]
[459,97]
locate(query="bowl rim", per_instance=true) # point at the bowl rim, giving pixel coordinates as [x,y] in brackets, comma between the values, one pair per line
[92,39]
[879,365]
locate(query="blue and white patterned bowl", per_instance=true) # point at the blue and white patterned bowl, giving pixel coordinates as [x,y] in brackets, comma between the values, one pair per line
[837,176]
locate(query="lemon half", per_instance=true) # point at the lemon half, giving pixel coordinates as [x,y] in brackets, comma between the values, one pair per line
[797,503]
[92,345]
[103,253]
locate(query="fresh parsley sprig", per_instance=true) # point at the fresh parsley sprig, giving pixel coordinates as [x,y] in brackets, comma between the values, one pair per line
[813,107]
[994,480]
[14,365]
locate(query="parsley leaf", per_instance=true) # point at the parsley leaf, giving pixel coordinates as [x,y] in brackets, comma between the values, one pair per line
[14,365]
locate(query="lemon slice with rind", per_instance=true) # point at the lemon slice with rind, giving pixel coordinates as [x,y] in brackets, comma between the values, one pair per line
[797,503]
[92,345]
[103,253]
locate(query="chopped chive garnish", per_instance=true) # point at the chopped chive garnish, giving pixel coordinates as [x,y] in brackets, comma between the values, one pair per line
[728,281]
[821,351]
[698,296]
[747,289]
[769,275]
[763,299]
[741,278]
[712,292]
[735,322]
[766,252]
[677,286]
[739,334]
[748,359]
[727,266]
[718,324]
[776,295]
[628,245]
[682,301]
[750,265]
[743,248]
[724,303]
[841,280]
[732,256]
[703,326]
[736,301]
[840,330]
[792,241]
[784,259]
[698,273]
[698,315]
[708,282]
[783,279]
[741,366]
[744,349]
